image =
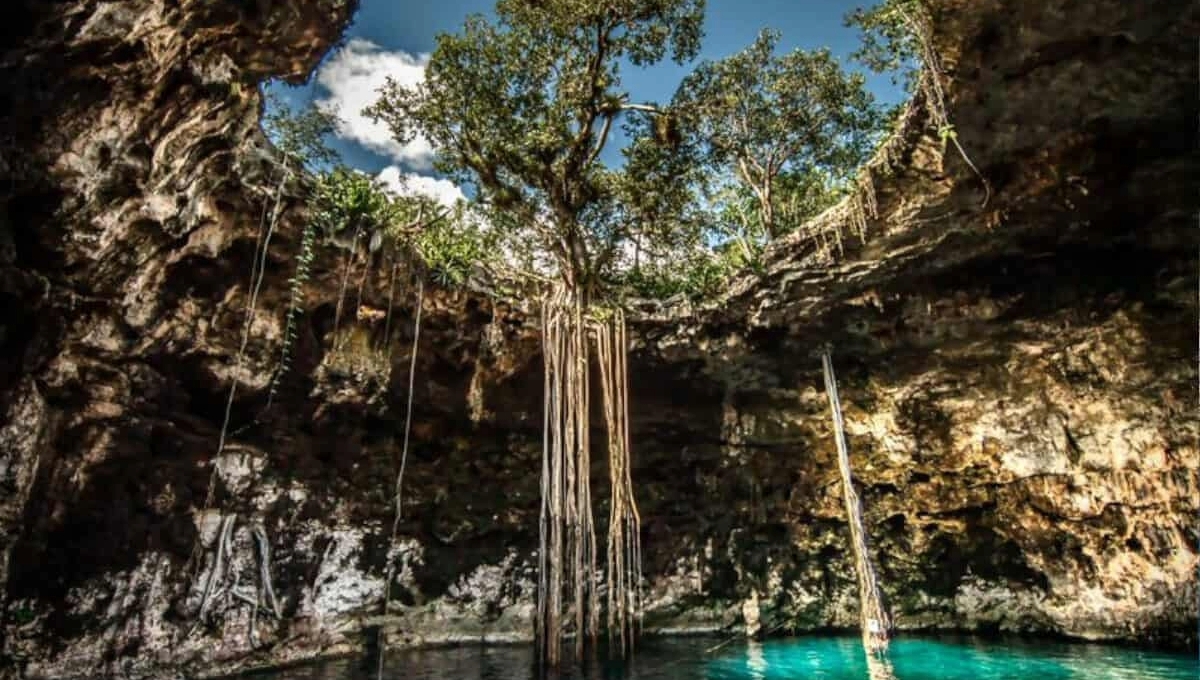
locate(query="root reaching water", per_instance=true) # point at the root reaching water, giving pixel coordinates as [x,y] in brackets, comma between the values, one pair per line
[874,620]
[879,668]
[397,512]
[258,267]
[217,576]
[624,527]
[218,588]
[567,534]
[266,589]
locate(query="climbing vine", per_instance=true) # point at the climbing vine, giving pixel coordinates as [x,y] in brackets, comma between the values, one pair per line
[295,307]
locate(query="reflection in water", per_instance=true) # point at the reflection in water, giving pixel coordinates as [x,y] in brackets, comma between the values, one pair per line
[755,661]
[806,658]
[878,667]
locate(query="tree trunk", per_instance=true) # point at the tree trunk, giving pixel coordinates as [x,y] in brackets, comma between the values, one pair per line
[768,208]
[874,620]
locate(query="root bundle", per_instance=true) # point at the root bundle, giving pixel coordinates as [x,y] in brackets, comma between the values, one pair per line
[567,558]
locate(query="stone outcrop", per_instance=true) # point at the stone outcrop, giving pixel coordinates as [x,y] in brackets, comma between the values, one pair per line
[1019,378]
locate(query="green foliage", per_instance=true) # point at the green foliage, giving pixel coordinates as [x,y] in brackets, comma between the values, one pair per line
[300,135]
[521,109]
[696,275]
[350,203]
[451,248]
[797,197]
[779,127]
[889,42]
[804,195]
[656,191]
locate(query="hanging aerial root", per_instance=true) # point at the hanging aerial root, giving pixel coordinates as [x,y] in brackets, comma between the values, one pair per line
[337,314]
[874,619]
[267,224]
[858,217]
[928,108]
[624,529]
[397,490]
[387,324]
[216,578]
[567,556]
[935,96]
[567,535]
[866,192]
[266,589]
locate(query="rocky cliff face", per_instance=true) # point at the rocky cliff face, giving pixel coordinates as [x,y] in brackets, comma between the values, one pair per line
[1019,379]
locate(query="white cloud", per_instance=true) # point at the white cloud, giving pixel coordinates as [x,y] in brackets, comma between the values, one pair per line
[407,183]
[353,77]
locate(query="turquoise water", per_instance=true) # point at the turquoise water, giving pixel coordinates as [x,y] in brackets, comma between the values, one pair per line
[963,659]
[805,658]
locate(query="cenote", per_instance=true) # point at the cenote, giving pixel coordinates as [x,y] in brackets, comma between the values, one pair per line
[800,658]
[589,324]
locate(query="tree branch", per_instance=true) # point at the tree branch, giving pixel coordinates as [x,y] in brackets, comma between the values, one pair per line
[608,119]
[646,108]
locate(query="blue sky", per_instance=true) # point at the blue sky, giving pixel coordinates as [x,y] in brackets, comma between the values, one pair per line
[389,37]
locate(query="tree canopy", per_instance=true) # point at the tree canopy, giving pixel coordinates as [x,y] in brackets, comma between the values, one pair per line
[759,118]
[522,108]
[300,134]
[890,41]
[519,109]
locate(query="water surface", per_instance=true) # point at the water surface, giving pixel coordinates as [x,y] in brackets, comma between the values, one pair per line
[804,658]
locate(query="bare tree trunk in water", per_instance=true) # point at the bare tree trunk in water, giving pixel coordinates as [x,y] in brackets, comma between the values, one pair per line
[874,619]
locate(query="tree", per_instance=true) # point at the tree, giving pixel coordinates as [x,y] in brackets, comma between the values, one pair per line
[300,135]
[522,108]
[656,192]
[757,116]
[890,43]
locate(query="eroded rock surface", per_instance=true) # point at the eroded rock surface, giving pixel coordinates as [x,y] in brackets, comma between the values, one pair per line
[1019,378]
